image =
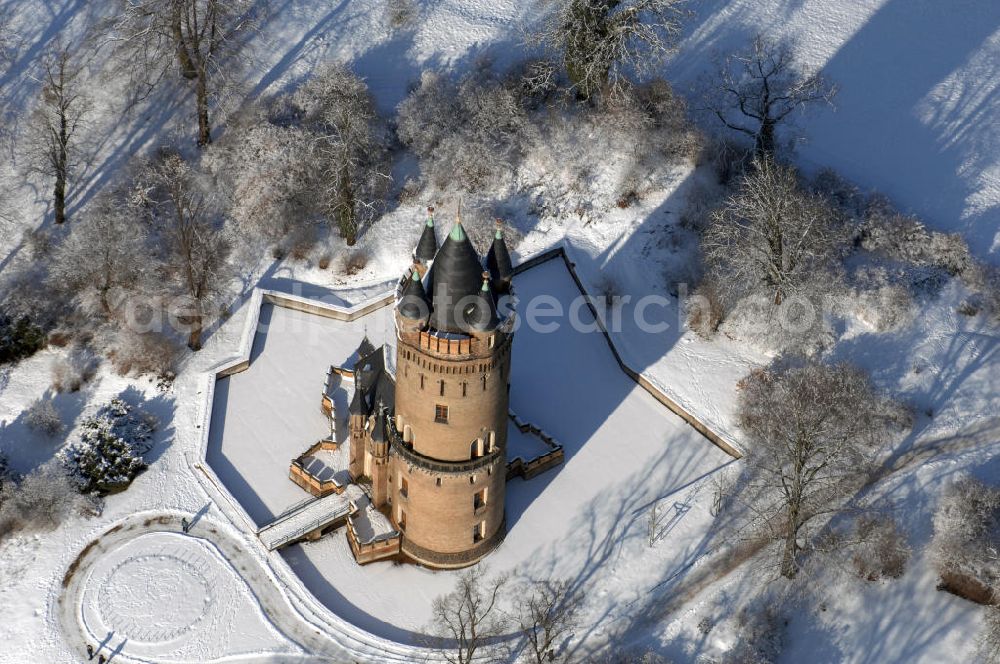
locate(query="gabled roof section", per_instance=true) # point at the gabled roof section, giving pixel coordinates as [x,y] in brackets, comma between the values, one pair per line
[373,386]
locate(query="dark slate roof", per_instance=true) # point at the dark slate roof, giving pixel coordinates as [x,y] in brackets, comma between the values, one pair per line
[482,313]
[358,404]
[365,348]
[413,303]
[427,246]
[454,275]
[378,431]
[373,386]
[498,263]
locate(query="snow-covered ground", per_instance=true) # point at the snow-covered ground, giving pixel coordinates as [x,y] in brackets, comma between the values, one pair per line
[583,521]
[918,117]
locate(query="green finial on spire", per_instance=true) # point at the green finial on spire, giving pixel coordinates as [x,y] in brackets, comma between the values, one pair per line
[486,282]
[414,276]
[457,232]
[430,216]
[499,233]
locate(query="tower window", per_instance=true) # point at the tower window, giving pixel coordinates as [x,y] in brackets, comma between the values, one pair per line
[421,381]
[402,519]
[479,499]
[404,487]
[441,414]
[438,481]
[442,387]
[465,387]
[479,532]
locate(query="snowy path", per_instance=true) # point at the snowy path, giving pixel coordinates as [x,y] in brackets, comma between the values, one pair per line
[307,643]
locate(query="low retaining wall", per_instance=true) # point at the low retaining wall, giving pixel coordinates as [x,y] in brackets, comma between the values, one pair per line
[528,468]
[379,548]
[298,473]
[643,382]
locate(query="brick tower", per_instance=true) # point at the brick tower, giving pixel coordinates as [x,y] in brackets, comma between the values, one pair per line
[447,434]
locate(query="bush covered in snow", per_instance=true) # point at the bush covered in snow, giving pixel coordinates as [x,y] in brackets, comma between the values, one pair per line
[39,501]
[760,634]
[70,372]
[470,132]
[907,239]
[967,536]
[144,353]
[19,338]
[43,417]
[880,550]
[878,299]
[108,455]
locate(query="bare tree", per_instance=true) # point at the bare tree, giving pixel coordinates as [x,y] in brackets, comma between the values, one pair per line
[201,37]
[473,131]
[770,235]
[338,106]
[546,613]
[106,253]
[270,175]
[59,115]
[757,89]
[813,434]
[598,41]
[466,621]
[196,248]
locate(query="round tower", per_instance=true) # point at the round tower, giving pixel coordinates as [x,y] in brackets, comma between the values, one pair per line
[448,436]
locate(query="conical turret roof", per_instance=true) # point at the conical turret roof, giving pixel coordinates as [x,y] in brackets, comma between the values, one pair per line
[481,314]
[427,245]
[455,275]
[413,302]
[498,262]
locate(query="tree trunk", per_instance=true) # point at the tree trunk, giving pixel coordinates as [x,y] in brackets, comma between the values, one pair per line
[194,337]
[764,143]
[346,221]
[788,565]
[59,191]
[204,129]
[59,194]
[183,58]
[105,305]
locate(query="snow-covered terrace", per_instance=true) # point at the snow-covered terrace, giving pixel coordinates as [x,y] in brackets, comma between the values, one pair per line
[623,451]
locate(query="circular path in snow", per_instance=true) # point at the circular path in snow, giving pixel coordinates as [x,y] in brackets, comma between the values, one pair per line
[133,594]
[143,591]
